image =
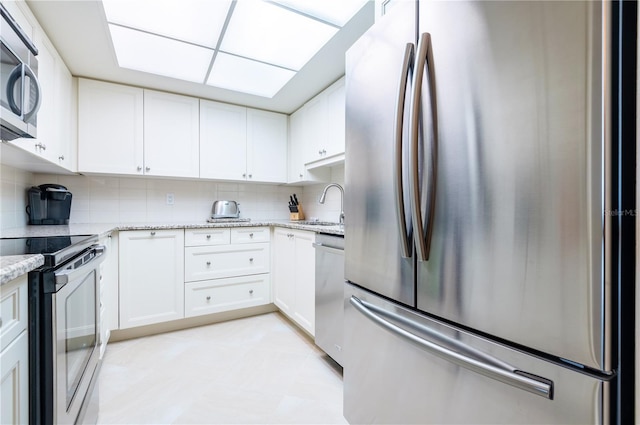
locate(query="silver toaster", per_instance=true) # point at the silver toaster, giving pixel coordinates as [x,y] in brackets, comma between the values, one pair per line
[225,209]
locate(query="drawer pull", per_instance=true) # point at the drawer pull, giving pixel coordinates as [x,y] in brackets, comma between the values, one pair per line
[251,291]
[153,233]
[208,236]
[251,260]
[250,235]
[208,297]
[208,263]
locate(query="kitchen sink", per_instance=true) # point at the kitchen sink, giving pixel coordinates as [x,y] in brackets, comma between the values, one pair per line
[316,223]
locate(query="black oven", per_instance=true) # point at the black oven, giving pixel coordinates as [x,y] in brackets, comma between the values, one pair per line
[64,308]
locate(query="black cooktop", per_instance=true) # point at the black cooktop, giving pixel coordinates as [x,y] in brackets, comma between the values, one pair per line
[55,249]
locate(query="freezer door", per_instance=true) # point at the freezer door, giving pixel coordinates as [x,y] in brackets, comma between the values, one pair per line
[378,252]
[401,367]
[517,248]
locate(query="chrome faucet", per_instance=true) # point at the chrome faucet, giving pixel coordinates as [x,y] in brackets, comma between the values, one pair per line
[324,195]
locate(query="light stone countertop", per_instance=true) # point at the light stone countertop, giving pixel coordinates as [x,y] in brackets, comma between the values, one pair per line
[16,265]
[13,266]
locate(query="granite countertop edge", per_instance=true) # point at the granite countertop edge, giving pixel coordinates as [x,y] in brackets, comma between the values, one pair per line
[13,266]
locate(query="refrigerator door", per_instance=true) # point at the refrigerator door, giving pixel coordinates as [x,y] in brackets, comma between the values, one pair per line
[517,248]
[378,250]
[428,372]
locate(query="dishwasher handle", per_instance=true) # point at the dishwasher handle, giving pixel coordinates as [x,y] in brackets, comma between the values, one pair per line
[469,358]
[327,248]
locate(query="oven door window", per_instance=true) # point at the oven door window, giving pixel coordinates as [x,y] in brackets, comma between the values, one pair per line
[80,330]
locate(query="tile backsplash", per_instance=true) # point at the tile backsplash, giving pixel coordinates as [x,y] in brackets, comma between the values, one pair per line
[109,199]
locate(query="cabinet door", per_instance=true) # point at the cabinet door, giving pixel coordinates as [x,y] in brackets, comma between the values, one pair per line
[171,135]
[13,310]
[315,128]
[151,277]
[305,277]
[14,385]
[298,148]
[283,270]
[223,141]
[266,146]
[110,128]
[335,118]
[67,153]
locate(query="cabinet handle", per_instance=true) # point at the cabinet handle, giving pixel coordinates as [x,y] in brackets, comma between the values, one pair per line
[251,291]
[153,233]
[320,152]
[61,158]
[244,175]
[147,168]
[208,297]
[208,236]
[301,175]
[250,176]
[41,146]
[208,263]
[0,322]
[250,235]
[251,260]
[139,168]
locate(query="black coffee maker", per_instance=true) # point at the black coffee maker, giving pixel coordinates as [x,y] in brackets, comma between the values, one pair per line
[48,204]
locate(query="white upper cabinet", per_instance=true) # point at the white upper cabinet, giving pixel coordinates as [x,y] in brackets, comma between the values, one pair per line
[318,136]
[335,141]
[238,143]
[266,146]
[298,172]
[171,135]
[223,141]
[110,128]
[55,140]
[128,130]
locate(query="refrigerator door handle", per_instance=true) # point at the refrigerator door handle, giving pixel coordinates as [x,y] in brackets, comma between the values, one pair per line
[397,170]
[466,357]
[424,60]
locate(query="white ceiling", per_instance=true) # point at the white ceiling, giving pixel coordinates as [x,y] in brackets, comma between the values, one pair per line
[79,31]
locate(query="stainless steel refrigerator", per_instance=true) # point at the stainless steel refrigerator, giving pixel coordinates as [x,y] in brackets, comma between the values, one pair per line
[481,213]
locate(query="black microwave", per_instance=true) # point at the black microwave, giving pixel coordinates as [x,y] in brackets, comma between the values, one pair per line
[20,93]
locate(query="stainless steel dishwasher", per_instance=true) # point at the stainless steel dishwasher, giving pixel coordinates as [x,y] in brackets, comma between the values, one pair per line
[329,294]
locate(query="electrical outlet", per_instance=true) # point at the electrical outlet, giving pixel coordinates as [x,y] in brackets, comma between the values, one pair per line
[170,199]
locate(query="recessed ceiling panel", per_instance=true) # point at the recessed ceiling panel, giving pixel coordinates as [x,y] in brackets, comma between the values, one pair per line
[195,21]
[272,34]
[159,55]
[337,12]
[247,76]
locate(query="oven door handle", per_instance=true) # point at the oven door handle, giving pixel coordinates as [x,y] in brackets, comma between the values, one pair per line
[69,274]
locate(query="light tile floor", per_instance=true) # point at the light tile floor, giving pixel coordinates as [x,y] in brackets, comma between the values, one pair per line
[257,370]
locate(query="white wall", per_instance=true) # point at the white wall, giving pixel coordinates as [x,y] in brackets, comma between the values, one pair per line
[99,199]
[14,184]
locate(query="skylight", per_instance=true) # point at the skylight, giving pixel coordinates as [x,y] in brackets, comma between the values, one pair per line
[251,46]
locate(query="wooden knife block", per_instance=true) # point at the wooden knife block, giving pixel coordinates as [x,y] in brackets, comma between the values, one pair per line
[297,216]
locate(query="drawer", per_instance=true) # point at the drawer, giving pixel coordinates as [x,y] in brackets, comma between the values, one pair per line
[213,296]
[204,262]
[208,237]
[250,234]
[13,310]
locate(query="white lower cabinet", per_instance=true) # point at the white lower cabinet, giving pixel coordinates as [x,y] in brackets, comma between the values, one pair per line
[294,270]
[14,353]
[226,276]
[151,276]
